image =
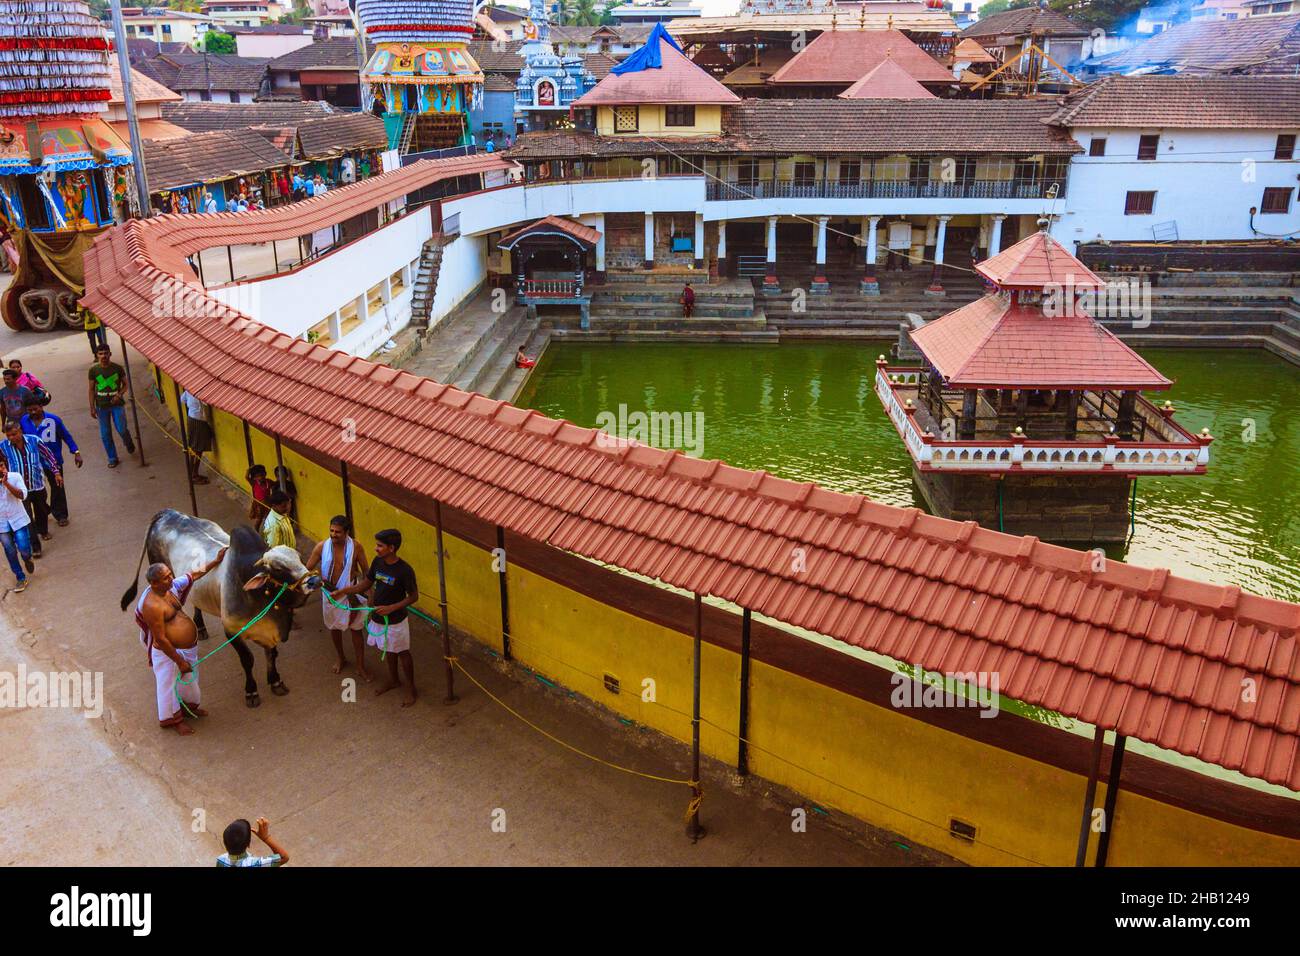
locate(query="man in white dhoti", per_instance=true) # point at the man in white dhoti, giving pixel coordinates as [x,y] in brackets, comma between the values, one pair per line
[342,562]
[170,638]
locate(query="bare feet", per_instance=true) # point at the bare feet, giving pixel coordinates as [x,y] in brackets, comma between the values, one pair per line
[198,711]
[388,685]
[183,728]
[339,664]
[364,675]
[409,700]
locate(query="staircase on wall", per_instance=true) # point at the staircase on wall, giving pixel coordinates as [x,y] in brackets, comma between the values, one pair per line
[426,282]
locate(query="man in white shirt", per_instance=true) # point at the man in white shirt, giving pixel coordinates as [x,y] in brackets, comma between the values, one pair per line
[198,435]
[15,533]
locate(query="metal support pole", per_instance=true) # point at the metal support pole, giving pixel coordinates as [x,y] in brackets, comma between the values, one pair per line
[347,496]
[248,443]
[230,261]
[1089,796]
[135,410]
[742,756]
[693,828]
[505,594]
[185,447]
[132,121]
[1112,793]
[442,607]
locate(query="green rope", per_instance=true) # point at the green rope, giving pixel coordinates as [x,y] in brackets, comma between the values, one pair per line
[383,651]
[194,671]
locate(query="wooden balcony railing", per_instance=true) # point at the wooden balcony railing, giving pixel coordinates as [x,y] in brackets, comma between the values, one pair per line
[881,189]
[551,288]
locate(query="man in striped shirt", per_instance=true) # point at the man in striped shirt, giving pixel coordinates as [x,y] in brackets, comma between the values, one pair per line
[26,455]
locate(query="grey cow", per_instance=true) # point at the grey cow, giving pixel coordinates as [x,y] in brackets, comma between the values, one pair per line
[245,582]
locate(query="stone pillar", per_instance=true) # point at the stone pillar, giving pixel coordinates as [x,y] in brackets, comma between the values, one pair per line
[600,248]
[699,240]
[722,240]
[940,234]
[819,283]
[995,236]
[771,284]
[869,285]
[649,240]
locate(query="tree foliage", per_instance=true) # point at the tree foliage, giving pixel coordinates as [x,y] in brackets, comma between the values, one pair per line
[1107,14]
[217,42]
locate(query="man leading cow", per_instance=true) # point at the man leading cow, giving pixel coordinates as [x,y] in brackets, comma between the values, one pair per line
[342,563]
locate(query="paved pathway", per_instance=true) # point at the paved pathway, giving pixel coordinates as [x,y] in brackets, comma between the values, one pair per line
[343,783]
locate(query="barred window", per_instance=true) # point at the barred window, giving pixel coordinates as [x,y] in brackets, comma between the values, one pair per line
[625,119]
[1277,199]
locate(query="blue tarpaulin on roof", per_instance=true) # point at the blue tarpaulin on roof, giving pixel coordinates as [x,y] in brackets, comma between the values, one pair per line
[647,58]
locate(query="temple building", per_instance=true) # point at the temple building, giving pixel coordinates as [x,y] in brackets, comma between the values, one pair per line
[63,169]
[549,83]
[1027,415]
[421,71]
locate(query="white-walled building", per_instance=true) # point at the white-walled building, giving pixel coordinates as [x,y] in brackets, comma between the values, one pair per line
[165,25]
[1182,157]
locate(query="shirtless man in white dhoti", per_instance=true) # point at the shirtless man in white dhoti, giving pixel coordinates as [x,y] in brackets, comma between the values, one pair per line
[342,562]
[169,635]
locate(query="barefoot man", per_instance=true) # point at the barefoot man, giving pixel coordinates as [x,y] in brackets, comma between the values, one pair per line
[168,634]
[393,581]
[342,563]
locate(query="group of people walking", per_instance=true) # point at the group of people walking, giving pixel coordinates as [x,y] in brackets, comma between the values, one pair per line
[33,447]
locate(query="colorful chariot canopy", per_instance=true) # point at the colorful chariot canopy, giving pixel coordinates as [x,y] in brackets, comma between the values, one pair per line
[53,59]
[423,65]
[417,21]
[59,144]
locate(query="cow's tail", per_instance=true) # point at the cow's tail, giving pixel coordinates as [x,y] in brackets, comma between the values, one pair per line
[129,596]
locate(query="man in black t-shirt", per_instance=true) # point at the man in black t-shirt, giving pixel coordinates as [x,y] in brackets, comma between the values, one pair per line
[392,582]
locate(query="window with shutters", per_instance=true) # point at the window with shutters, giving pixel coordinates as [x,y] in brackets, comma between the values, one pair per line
[1139,203]
[1285,148]
[1277,199]
[1147,146]
[1098,146]
[625,119]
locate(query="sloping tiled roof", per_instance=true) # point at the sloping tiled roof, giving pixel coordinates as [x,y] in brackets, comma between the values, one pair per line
[202,117]
[599,64]
[335,53]
[220,71]
[677,81]
[844,56]
[1025,20]
[493,57]
[1036,262]
[283,138]
[1141,652]
[334,135]
[969,51]
[145,88]
[159,69]
[1255,45]
[881,126]
[1185,101]
[139,48]
[498,83]
[887,81]
[551,224]
[208,157]
[993,343]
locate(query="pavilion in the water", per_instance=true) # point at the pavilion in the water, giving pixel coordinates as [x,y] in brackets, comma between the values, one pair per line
[1027,414]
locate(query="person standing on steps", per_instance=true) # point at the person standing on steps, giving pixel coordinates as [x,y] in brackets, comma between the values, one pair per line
[688,301]
[32,460]
[395,589]
[107,394]
[342,562]
[53,435]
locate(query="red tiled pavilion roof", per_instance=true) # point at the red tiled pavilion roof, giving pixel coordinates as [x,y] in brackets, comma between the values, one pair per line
[995,343]
[585,235]
[1142,652]
[678,80]
[1035,262]
[888,81]
[844,56]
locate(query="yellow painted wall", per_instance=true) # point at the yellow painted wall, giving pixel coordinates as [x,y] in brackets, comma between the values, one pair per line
[847,755]
[650,122]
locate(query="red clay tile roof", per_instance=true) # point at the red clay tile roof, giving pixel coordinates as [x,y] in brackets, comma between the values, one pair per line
[677,81]
[329,136]
[887,81]
[218,71]
[1142,652]
[1266,45]
[584,234]
[844,56]
[599,64]
[970,51]
[770,59]
[1185,101]
[145,88]
[993,343]
[208,157]
[204,117]
[1025,20]
[1037,261]
[337,53]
